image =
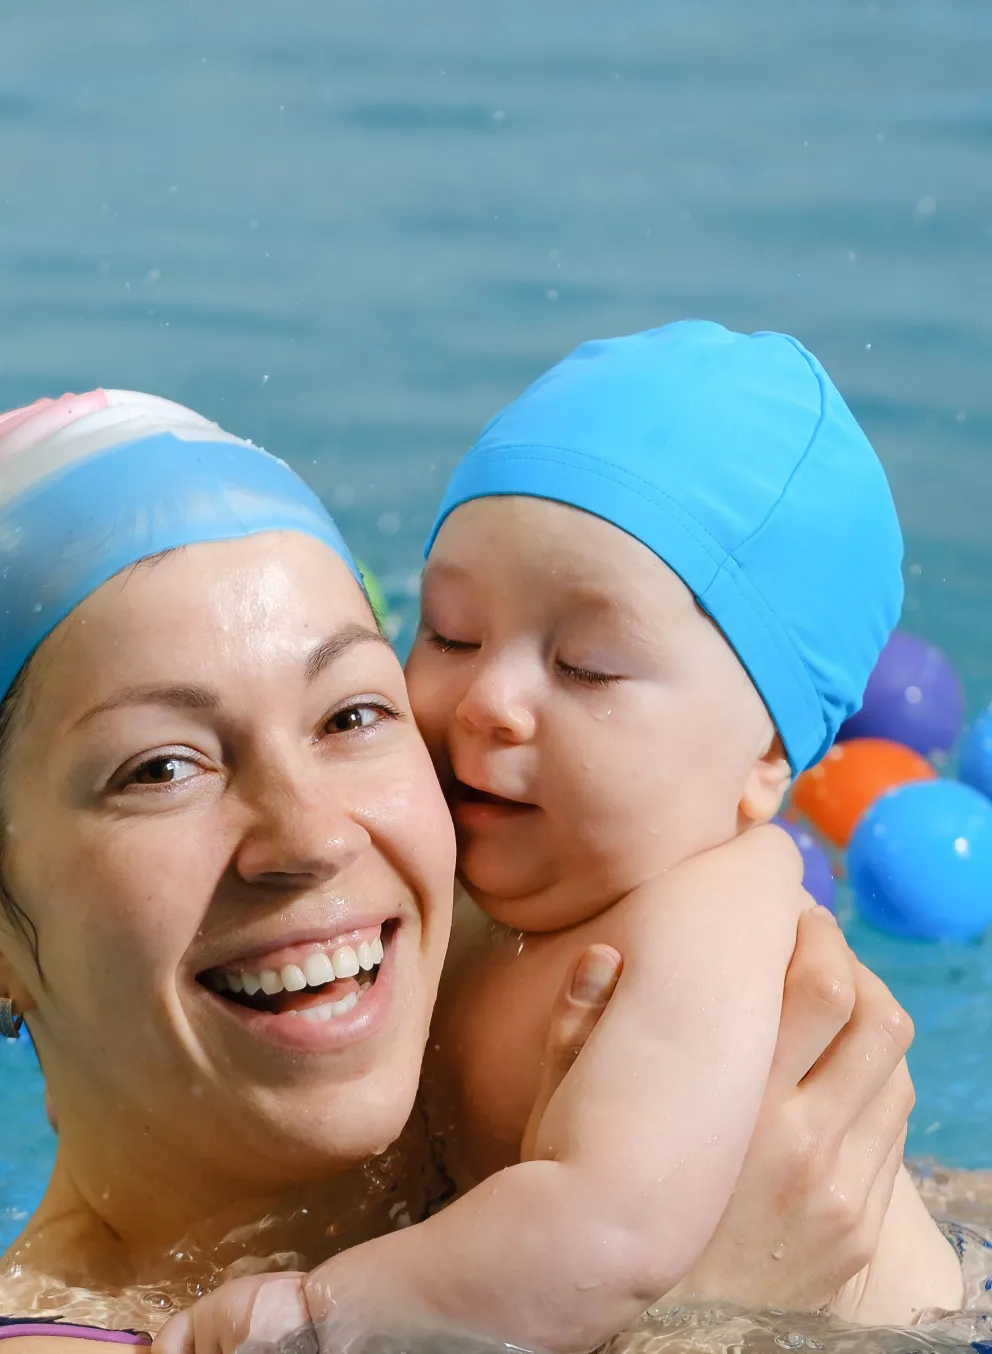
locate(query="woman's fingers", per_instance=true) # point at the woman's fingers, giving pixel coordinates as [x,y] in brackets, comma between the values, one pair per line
[818,1000]
[864,1055]
[257,1308]
[880,1194]
[582,998]
[176,1336]
[877,1132]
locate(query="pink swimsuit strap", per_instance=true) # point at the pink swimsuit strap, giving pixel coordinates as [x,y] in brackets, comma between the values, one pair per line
[16,1327]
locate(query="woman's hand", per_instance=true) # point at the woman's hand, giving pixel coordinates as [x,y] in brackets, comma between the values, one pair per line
[582,998]
[808,1208]
[258,1308]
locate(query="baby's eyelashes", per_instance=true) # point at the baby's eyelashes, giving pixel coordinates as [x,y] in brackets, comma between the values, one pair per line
[445,645]
[586,675]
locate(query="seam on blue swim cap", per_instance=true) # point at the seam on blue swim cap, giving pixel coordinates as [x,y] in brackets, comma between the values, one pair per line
[792,707]
[743,616]
[69,533]
[818,377]
[566,457]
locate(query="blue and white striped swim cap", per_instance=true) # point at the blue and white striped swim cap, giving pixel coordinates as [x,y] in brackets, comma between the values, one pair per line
[90,484]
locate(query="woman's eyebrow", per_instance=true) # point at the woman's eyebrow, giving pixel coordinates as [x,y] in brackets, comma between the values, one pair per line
[202,698]
[330,649]
[170,694]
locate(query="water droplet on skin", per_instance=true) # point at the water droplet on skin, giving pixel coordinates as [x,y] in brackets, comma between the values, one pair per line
[779,1251]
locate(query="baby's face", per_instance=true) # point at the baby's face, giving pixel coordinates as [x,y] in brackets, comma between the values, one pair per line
[590,725]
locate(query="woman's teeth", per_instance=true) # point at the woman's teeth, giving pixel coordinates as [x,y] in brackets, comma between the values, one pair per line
[316,970]
[327,1010]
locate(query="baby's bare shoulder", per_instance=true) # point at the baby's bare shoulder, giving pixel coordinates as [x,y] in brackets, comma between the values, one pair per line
[764,855]
[759,869]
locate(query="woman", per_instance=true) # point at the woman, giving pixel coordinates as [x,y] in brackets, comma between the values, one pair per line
[208,766]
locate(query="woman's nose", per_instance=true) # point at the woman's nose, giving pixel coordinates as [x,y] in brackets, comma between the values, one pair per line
[498,702]
[298,835]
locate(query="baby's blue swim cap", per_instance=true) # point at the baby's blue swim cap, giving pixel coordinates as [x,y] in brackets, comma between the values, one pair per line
[735,460]
[90,484]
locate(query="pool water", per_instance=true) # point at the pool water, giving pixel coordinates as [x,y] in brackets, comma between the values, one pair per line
[352,232]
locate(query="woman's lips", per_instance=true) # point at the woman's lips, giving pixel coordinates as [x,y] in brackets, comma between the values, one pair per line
[326,998]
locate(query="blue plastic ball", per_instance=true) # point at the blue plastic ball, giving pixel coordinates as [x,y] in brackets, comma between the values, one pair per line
[818,878]
[920,862]
[976,755]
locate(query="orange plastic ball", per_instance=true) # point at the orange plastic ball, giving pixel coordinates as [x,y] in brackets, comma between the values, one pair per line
[834,794]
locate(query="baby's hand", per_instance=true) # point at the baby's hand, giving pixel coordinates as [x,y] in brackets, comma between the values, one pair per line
[260,1308]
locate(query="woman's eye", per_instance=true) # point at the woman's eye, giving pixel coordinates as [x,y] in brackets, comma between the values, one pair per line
[354,718]
[162,771]
[585,675]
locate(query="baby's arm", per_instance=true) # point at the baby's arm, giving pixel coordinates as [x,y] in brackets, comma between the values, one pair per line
[638,1151]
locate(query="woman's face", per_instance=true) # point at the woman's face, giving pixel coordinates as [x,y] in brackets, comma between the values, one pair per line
[215,783]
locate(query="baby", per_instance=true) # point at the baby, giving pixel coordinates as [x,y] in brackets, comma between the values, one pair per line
[656,587]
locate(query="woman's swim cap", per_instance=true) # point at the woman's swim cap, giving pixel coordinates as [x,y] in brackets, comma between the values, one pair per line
[90,484]
[735,460]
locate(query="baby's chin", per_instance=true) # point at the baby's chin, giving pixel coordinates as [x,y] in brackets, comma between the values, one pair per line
[534,905]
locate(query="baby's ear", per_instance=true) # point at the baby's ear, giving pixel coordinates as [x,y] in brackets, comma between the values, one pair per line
[766,785]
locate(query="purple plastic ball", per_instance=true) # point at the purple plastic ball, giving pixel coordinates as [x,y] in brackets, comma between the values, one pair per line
[913,697]
[818,878]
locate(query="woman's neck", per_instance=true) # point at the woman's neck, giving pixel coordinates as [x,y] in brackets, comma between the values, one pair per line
[157,1234]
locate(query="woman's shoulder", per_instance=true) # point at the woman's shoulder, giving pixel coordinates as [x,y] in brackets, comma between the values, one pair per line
[33,1343]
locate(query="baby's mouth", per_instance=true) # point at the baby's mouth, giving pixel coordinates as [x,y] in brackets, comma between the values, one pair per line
[468,794]
[317,981]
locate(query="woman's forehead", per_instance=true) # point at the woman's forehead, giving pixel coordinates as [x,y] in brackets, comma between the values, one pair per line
[255,603]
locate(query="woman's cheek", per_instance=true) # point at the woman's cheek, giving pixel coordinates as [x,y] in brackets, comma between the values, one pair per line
[413,823]
[434,695]
[150,882]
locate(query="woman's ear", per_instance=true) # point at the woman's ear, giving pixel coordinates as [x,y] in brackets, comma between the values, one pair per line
[12,986]
[766,785]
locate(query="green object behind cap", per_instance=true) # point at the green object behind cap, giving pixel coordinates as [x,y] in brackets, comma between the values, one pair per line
[375,594]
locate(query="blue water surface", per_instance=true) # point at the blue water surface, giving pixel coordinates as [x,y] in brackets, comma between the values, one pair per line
[352,231]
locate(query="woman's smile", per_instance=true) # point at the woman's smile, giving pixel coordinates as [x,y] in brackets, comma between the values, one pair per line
[316,994]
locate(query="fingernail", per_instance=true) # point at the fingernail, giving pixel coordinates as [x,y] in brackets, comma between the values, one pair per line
[595,976]
[822,911]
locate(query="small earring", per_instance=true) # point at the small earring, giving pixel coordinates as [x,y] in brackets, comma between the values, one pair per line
[10,1021]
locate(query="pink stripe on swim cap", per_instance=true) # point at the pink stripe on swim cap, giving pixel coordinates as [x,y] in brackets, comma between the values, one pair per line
[23,428]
